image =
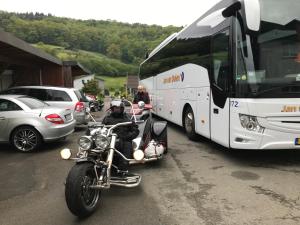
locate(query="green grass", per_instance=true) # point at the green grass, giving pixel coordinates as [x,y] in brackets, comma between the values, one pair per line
[91,60]
[113,82]
[95,62]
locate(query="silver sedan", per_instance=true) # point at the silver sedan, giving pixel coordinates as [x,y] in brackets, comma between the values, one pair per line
[28,122]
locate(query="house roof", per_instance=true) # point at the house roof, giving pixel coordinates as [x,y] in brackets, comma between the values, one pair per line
[21,52]
[77,68]
[18,52]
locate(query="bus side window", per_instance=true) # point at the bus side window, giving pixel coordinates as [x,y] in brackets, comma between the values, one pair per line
[220,54]
[220,68]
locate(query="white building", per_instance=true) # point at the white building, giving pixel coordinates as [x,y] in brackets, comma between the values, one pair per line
[81,80]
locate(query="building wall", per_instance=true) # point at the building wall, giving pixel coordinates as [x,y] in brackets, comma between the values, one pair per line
[67,74]
[78,83]
[52,75]
[26,76]
[6,79]
[101,84]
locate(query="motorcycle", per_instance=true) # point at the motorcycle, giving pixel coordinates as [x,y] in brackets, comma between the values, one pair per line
[94,103]
[92,171]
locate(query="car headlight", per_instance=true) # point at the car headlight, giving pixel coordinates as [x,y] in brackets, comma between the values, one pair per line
[101,142]
[85,143]
[250,123]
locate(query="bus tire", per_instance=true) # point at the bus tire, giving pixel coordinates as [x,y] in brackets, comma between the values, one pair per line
[189,124]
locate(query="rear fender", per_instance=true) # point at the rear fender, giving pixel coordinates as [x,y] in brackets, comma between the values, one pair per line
[158,129]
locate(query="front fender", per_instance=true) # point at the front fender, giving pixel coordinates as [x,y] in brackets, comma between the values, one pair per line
[83,160]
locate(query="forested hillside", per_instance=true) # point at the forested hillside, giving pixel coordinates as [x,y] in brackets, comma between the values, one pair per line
[95,62]
[126,43]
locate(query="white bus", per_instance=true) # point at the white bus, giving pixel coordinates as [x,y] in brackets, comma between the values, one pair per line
[233,75]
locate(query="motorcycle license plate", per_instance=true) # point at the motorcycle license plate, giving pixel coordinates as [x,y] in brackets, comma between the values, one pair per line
[297,141]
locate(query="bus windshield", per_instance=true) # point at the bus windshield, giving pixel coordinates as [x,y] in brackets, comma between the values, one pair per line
[268,62]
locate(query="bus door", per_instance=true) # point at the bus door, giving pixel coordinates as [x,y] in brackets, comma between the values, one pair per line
[219,107]
[202,117]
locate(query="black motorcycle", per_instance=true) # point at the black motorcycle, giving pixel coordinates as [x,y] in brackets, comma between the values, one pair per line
[94,159]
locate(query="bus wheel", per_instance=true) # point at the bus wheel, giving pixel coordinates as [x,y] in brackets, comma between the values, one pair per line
[189,124]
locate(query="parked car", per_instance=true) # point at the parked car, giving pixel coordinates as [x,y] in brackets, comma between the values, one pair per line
[65,98]
[26,122]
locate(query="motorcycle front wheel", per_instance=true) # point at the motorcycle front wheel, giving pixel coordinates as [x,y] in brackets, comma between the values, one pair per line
[81,199]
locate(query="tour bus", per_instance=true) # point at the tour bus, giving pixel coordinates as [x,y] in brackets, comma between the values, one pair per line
[233,75]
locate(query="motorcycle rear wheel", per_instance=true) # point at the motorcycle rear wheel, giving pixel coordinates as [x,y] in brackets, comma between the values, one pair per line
[81,199]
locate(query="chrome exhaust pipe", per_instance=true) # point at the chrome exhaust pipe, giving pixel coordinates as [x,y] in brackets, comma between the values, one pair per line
[128,182]
[99,186]
[127,185]
[145,160]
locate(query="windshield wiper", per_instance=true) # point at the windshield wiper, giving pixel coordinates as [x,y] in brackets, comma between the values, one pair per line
[257,94]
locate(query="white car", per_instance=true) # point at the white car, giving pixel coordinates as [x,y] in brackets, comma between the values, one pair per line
[64,98]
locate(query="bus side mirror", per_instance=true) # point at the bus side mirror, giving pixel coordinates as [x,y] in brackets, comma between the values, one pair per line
[251,13]
[232,9]
[147,55]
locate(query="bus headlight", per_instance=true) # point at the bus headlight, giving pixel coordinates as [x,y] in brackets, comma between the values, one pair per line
[85,143]
[101,142]
[250,123]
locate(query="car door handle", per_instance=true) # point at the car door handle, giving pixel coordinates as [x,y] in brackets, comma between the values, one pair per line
[216,111]
[2,118]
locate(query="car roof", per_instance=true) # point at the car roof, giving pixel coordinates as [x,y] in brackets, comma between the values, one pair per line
[11,96]
[45,87]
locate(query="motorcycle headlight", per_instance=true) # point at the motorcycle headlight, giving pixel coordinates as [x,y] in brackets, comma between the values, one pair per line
[250,123]
[85,143]
[101,142]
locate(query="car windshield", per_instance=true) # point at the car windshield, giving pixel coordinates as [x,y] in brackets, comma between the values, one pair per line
[81,96]
[32,103]
[268,62]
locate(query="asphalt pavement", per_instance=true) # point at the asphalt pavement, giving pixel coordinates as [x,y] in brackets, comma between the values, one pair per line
[196,183]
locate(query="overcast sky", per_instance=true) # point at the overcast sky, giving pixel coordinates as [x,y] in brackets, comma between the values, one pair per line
[161,12]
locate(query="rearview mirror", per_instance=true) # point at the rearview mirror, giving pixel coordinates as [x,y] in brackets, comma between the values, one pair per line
[251,15]
[141,104]
[232,9]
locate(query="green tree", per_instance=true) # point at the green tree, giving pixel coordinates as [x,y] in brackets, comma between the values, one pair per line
[122,41]
[114,51]
[91,87]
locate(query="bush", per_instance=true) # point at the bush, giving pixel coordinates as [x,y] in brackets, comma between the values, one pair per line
[91,87]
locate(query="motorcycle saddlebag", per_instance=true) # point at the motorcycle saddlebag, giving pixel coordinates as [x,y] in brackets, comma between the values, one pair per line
[158,129]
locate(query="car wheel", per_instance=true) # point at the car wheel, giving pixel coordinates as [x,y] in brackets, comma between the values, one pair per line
[26,139]
[189,124]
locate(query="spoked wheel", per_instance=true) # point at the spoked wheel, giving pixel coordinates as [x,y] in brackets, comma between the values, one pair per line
[26,139]
[189,124]
[81,199]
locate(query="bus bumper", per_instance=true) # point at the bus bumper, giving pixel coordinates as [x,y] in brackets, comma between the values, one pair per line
[269,139]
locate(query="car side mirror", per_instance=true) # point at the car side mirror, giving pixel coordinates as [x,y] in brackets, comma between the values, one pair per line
[141,105]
